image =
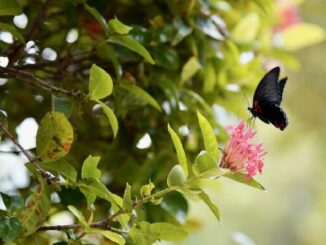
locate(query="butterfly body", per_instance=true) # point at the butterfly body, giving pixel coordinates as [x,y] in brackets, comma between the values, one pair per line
[268,98]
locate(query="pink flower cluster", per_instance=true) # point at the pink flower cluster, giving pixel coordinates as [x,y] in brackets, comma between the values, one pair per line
[240,155]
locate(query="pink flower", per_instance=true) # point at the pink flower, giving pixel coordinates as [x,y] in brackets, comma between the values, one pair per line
[288,15]
[240,155]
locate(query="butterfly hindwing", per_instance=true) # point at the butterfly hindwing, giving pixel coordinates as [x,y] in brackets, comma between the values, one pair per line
[273,114]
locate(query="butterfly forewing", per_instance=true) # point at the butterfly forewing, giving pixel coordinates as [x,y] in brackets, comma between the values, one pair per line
[268,89]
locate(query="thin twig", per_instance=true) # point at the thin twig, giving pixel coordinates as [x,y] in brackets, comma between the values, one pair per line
[44,174]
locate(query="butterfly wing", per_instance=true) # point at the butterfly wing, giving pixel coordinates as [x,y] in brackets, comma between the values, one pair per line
[282,83]
[269,89]
[274,114]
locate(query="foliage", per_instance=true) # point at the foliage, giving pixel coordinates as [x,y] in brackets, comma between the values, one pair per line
[136,68]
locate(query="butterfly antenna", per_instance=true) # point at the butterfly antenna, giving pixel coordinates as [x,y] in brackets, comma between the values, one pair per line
[248,103]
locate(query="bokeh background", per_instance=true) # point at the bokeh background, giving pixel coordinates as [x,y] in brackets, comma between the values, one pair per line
[293,210]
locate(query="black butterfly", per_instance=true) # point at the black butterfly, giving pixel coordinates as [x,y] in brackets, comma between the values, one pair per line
[268,98]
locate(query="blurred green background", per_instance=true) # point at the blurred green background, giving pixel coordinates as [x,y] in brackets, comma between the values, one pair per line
[293,210]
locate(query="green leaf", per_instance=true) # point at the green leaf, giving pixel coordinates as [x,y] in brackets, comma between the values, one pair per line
[166,57]
[112,236]
[80,218]
[209,137]
[61,167]
[127,202]
[182,30]
[142,234]
[117,27]
[54,136]
[10,8]
[89,169]
[146,190]
[180,151]
[242,178]
[12,30]
[89,193]
[100,83]
[100,19]
[207,26]
[12,203]
[195,96]
[204,162]
[169,232]
[210,77]
[294,39]
[133,45]
[141,94]
[146,234]
[212,173]
[247,28]
[190,69]
[176,205]
[112,118]
[93,188]
[176,176]
[10,228]
[210,204]
[37,208]
[62,104]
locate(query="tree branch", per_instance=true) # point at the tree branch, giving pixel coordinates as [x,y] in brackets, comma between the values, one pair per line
[38,20]
[105,223]
[37,81]
[99,224]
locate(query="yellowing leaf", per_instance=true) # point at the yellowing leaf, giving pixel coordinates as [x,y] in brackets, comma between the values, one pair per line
[37,207]
[54,136]
[100,83]
[302,35]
